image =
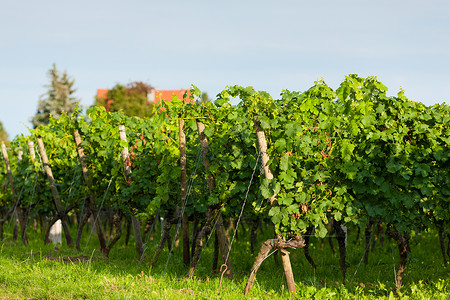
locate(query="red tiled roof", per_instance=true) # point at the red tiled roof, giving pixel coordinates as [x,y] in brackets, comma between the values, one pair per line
[102,93]
[167,95]
[102,97]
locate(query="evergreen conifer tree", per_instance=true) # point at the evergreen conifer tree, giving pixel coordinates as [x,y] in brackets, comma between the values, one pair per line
[57,99]
[3,134]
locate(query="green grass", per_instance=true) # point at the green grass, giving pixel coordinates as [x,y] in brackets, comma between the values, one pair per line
[29,272]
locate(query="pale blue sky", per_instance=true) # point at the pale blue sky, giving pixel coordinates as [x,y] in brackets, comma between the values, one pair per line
[271,45]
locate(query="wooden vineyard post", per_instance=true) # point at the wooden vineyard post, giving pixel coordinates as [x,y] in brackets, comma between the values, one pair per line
[56,200]
[268,174]
[198,239]
[127,170]
[21,214]
[8,173]
[184,222]
[261,137]
[16,213]
[19,154]
[279,243]
[31,150]
[285,260]
[11,184]
[33,157]
[220,230]
[92,206]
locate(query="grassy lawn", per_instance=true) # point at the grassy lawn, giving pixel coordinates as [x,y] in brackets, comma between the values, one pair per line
[42,272]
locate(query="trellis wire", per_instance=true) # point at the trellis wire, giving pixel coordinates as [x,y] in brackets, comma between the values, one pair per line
[239,218]
[242,208]
[367,249]
[32,197]
[12,215]
[70,189]
[31,201]
[68,197]
[180,217]
[148,238]
[40,158]
[393,262]
[98,213]
[81,215]
[253,270]
[207,241]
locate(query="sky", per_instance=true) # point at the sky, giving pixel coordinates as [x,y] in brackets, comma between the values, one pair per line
[270,45]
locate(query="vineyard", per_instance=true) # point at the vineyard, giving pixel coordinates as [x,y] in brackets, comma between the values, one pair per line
[313,165]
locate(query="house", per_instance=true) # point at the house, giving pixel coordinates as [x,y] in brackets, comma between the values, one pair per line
[166,95]
[153,97]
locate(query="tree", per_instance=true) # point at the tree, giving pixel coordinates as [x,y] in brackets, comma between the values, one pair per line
[204,98]
[132,99]
[57,99]
[3,134]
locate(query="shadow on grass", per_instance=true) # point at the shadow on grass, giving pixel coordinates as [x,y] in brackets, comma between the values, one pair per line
[126,274]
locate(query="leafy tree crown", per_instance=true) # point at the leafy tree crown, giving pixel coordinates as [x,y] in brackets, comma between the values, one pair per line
[132,99]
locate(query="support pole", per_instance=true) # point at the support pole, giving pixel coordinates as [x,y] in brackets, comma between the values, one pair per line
[92,206]
[21,215]
[11,184]
[223,241]
[262,144]
[54,190]
[184,221]
[127,170]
